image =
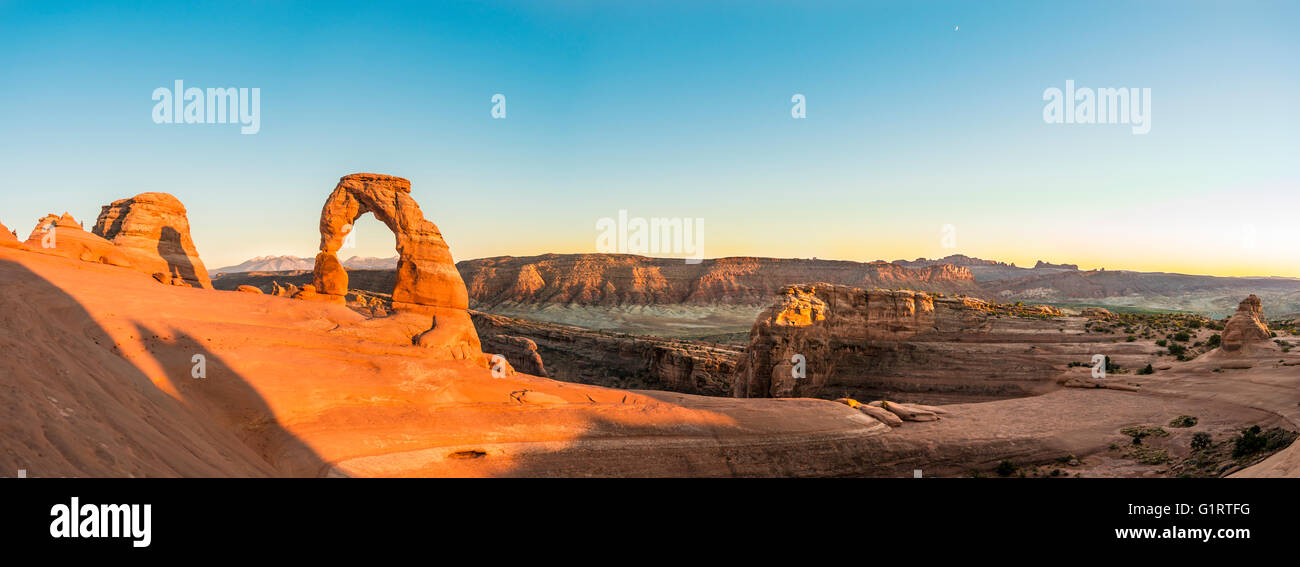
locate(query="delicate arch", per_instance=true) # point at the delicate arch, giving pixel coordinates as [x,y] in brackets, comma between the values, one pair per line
[426,273]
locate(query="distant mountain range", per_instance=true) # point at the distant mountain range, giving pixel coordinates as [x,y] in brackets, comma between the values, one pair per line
[985,270]
[293,263]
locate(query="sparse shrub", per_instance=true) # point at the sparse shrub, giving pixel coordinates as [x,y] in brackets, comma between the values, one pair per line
[1149,456]
[1183,421]
[1139,432]
[1005,468]
[1147,370]
[1201,441]
[1250,442]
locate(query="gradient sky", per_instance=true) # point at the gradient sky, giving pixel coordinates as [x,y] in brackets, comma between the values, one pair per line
[680,110]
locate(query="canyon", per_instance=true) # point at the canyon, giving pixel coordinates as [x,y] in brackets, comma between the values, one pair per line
[574,354]
[415,371]
[630,314]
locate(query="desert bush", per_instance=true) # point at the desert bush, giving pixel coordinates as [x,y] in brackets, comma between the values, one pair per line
[1005,468]
[1249,442]
[1139,432]
[1201,441]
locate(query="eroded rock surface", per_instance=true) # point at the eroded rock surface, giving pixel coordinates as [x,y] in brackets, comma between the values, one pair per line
[830,341]
[63,236]
[1246,326]
[592,357]
[153,232]
[8,239]
[625,279]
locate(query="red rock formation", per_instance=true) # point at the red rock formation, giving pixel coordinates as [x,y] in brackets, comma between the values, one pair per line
[427,281]
[63,236]
[621,279]
[1247,326]
[867,343]
[153,232]
[520,352]
[8,239]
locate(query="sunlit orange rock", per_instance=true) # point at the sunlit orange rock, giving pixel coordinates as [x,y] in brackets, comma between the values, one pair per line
[153,232]
[426,282]
[63,236]
[8,239]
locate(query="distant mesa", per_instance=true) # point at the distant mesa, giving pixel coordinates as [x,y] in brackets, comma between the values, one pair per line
[987,270]
[153,232]
[631,280]
[955,260]
[1040,265]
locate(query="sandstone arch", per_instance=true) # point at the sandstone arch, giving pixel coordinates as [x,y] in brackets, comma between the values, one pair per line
[427,280]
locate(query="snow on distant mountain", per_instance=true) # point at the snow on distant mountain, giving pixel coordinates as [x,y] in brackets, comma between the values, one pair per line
[269,264]
[291,263]
[370,263]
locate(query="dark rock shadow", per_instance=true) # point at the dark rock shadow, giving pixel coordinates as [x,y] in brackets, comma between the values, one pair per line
[73,404]
[230,401]
[178,262]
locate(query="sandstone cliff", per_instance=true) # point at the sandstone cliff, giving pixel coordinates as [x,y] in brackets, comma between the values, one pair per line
[619,361]
[621,279]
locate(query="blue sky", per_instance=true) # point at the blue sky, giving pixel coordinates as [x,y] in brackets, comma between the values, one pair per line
[679,110]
